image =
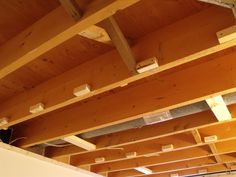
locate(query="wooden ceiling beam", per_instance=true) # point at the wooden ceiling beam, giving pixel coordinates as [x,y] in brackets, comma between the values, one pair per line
[104,74]
[192,172]
[165,158]
[147,148]
[141,102]
[171,167]
[141,135]
[37,39]
[219,108]
[179,141]
[93,32]
[121,43]
[80,143]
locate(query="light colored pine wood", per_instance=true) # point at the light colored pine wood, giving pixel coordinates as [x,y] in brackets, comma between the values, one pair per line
[105,74]
[196,136]
[36,40]
[220,82]
[121,43]
[80,143]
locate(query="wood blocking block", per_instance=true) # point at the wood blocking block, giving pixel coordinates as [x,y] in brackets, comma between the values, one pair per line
[210,139]
[167,148]
[81,90]
[36,108]
[100,159]
[131,154]
[147,65]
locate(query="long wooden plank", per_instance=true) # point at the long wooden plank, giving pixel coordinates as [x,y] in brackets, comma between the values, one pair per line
[121,43]
[165,158]
[104,74]
[179,141]
[144,149]
[192,172]
[140,135]
[51,31]
[171,167]
[145,98]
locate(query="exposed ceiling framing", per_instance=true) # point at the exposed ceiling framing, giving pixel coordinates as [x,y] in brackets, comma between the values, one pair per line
[82,66]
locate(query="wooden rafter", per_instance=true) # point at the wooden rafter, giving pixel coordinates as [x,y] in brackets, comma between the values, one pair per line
[171,167]
[165,158]
[121,43]
[28,45]
[134,108]
[109,78]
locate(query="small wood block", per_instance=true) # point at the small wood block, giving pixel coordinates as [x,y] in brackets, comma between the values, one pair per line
[82,90]
[174,175]
[100,160]
[36,108]
[210,139]
[131,154]
[227,34]
[202,171]
[3,121]
[167,148]
[147,65]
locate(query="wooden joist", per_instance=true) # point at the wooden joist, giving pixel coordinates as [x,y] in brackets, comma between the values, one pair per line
[80,143]
[143,134]
[165,158]
[155,100]
[121,43]
[192,172]
[219,108]
[52,30]
[179,141]
[108,74]
[158,169]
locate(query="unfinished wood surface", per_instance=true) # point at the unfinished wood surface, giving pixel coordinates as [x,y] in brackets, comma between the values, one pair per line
[109,74]
[196,136]
[15,15]
[168,158]
[80,143]
[192,172]
[72,8]
[165,158]
[142,134]
[142,149]
[141,102]
[96,33]
[146,148]
[171,167]
[27,45]
[121,43]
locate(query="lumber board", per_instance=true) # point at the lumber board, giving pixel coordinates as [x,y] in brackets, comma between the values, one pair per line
[141,102]
[52,30]
[105,74]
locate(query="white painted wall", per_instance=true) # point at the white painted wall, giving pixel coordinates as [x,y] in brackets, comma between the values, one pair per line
[15,162]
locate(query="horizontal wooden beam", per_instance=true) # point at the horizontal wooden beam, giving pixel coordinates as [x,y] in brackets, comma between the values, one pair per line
[80,143]
[171,167]
[166,158]
[141,102]
[179,141]
[192,172]
[121,43]
[141,135]
[104,74]
[219,108]
[96,33]
[52,30]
